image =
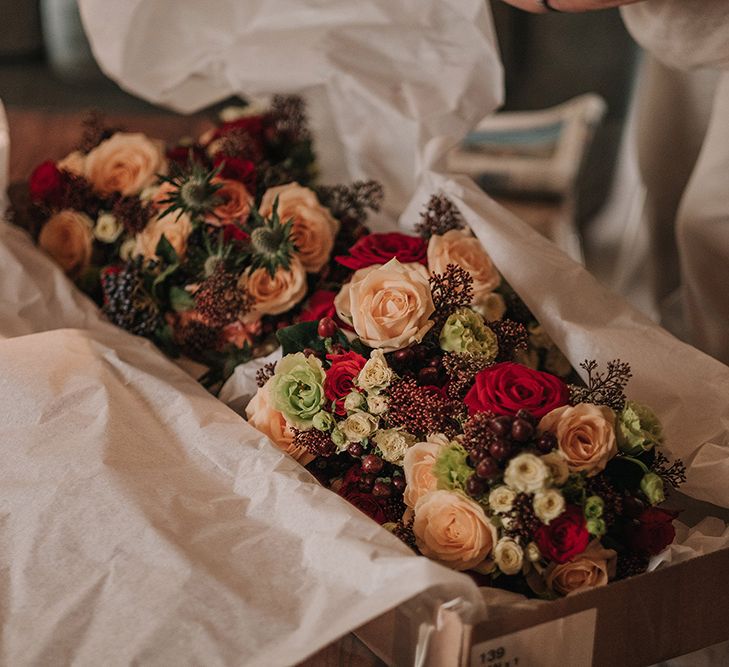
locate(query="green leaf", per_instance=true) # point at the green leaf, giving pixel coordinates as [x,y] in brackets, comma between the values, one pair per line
[300,336]
[181,299]
[165,251]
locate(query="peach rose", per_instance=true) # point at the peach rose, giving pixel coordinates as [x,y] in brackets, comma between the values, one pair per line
[175,228]
[262,415]
[314,227]
[235,203]
[458,247]
[592,568]
[388,305]
[68,238]
[418,467]
[73,163]
[125,163]
[585,435]
[453,530]
[274,295]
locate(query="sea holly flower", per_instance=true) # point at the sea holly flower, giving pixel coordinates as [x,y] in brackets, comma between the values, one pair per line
[297,388]
[638,429]
[465,332]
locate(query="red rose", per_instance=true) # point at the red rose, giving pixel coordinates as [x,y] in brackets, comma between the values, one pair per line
[653,532]
[181,155]
[506,388]
[46,183]
[565,537]
[367,503]
[381,248]
[237,169]
[339,380]
[321,305]
[232,232]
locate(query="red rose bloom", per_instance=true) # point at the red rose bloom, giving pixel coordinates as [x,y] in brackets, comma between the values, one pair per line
[339,380]
[321,305]
[364,502]
[46,183]
[565,537]
[653,532]
[237,169]
[181,155]
[232,232]
[508,387]
[381,248]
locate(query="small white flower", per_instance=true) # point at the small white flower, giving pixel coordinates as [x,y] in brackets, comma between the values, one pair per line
[532,552]
[508,555]
[501,499]
[377,404]
[126,250]
[393,443]
[375,375]
[358,426]
[353,401]
[557,465]
[526,473]
[107,228]
[548,505]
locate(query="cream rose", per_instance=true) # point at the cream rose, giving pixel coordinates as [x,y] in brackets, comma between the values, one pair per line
[358,426]
[314,227]
[548,505]
[585,435]
[262,415]
[388,305]
[453,530]
[175,228]
[394,444]
[108,229]
[557,467]
[508,555]
[377,404]
[67,237]
[590,569]
[501,499]
[277,294]
[458,247]
[125,163]
[418,465]
[375,375]
[73,163]
[526,473]
[235,203]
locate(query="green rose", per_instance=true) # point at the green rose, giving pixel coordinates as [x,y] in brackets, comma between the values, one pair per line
[323,421]
[451,469]
[594,507]
[297,389]
[638,429]
[596,527]
[652,486]
[466,332]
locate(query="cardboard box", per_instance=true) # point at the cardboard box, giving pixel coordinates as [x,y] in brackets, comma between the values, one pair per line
[638,621]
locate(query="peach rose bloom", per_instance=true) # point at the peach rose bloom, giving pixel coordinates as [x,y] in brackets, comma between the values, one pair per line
[175,228]
[453,530]
[274,295]
[418,467]
[585,435]
[238,334]
[458,247]
[125,163]
[235,203]
[68,238]
[592,568]
[314,227]
[388,305]
[262,415]
[73,163]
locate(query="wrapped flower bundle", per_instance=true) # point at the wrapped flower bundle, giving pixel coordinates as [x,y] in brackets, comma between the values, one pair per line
[424,392]
[207,246]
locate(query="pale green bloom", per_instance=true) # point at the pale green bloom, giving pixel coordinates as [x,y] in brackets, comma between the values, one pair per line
[594,507]
[353,401]
[596,527]
[466,332]
[339,439]
[323,421]
[451,469]
[652,486]
[638,429]
[297,389]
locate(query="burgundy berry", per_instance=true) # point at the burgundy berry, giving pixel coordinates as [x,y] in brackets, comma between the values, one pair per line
[381,490]
[499,449]
[355,449]
[327,327]
[487,468]
[475,486]
[372,463]
[521,430]
[546,443]
[399,484]
[428,375]
[404,356]
[501,425]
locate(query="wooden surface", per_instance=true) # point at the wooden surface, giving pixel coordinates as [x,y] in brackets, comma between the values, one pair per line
[36,136]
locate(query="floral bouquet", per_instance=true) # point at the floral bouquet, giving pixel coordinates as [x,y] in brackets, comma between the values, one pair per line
[417,394]
[205,247]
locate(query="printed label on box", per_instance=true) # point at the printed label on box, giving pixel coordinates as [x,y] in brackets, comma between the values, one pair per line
[566,641]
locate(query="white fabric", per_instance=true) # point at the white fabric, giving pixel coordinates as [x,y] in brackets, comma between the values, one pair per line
[682,33]
[384,78]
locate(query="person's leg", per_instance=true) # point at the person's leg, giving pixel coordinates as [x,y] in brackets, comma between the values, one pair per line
[672,113]
[703,236]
